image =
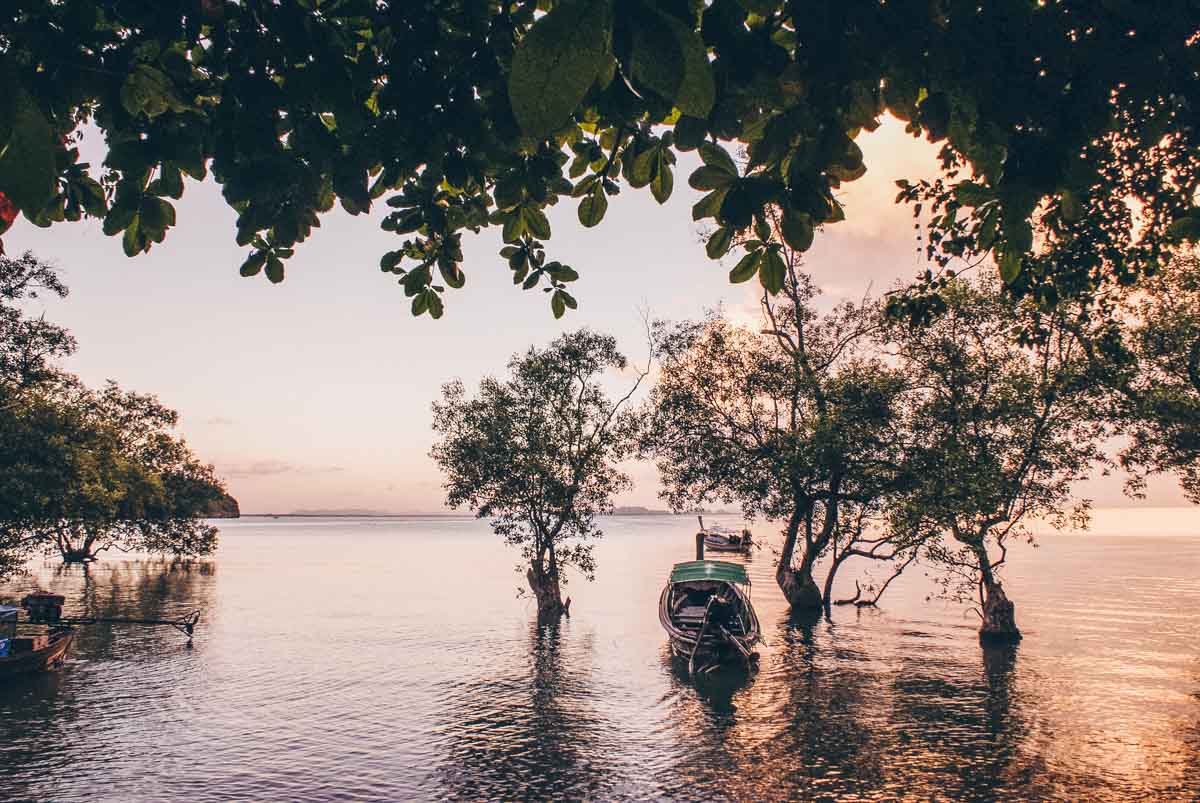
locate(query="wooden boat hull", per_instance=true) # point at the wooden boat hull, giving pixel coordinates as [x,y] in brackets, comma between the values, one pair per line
[731,543]
[46,659]
[724,546]
[712,648]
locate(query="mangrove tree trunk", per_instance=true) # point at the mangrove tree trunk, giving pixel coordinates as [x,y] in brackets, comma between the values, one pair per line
[999,622]
[544,583]
[796,582]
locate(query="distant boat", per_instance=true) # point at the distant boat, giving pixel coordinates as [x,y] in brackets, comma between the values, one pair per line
[724,539]
[706,610]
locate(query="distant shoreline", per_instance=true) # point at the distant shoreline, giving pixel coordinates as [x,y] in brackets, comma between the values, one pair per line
[445,515]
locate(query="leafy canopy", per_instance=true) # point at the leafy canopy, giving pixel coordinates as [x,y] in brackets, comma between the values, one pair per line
[84,470]
[1001,432]
[1056,118]
[1148,357]
[538,453]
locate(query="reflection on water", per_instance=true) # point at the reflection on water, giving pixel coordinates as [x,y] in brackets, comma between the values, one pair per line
[389,659]
[529,733]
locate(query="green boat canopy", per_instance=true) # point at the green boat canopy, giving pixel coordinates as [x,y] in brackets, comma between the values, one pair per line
[709,570]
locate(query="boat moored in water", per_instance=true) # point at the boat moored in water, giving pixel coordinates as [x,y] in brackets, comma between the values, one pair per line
[724,539]
[31,646]
[706,610]
[43,640]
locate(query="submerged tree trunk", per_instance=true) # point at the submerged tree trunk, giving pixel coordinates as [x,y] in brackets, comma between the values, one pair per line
[544,583]
[75,554]
[800,588]
[999,623]
[796,582]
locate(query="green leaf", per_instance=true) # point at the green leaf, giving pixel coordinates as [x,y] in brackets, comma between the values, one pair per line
[690,132]
[710,178]
[92,196]
[133,243]
[118,218]
[436,307]
[156,216]
[454,276]
[253,264]
[562,273]
[969,193]
[556,63]
[171,182]
[663,183]
[772,271]
[514,226]
[558,304]
[1019,235]
[708,206]
[987,228]
[593,207]
[718,243]
[716,156]
[536,222]
[569,300]
[797,230]
[420,303]
[274,269]
[746,268]
[147,90]
[27,169]
[671,59]
[1010,265]
[390,260]
[643,168]
[738,208]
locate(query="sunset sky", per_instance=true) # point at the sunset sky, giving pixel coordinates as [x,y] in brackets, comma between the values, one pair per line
[315,393]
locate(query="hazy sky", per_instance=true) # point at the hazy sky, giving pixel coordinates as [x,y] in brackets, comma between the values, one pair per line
[315,393]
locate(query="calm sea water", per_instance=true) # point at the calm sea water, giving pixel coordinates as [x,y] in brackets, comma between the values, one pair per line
[391,659]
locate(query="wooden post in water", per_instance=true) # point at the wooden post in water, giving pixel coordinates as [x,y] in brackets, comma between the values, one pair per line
[700,545]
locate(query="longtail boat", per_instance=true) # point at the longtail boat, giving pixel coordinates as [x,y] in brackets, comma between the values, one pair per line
[42,641]
[31,648]
[706,610]
[724,539]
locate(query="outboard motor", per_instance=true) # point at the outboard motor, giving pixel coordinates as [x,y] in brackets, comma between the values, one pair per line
[43,607]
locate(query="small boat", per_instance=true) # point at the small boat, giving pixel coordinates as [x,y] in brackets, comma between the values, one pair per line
[42,641]
[724,539]
[706,610]
[28,648]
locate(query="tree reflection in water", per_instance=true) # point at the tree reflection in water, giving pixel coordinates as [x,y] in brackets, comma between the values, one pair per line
[827,717]
[134,589]
[530,734]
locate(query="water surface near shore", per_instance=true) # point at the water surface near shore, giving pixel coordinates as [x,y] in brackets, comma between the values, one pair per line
[385,659]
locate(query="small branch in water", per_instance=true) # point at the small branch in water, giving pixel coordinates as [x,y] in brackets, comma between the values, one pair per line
[855,599]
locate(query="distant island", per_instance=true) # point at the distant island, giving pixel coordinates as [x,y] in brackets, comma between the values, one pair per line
[344,511]
[638,510]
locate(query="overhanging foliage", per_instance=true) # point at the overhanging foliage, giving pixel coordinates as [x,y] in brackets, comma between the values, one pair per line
[1055,118]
